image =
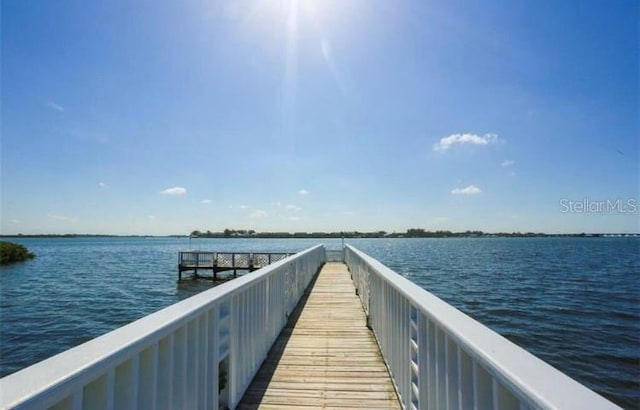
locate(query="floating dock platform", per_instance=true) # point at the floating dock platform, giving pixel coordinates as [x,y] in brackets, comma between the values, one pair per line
[194,261]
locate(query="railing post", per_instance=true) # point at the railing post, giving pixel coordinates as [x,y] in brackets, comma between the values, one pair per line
[213,364]
[232,374]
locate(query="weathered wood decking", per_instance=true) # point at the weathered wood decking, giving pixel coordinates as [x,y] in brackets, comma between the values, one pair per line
[326,357]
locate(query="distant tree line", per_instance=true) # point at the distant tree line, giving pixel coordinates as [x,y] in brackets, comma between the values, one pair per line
[421,233]
[410,233]
[243,233]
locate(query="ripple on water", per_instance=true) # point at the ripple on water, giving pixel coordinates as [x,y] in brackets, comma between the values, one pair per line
[574,302]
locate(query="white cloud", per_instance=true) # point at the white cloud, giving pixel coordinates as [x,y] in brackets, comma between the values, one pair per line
[94,136]
[470,190]
[102,185]
[277,204]
[303,192]
[507,163]
[441,219]
[326,49]
[244,207]
[206,201]
[151,217]
[15,221]
[176,190]
[258,214]
[446,142]
[55,106]
[64,218]
[292,207]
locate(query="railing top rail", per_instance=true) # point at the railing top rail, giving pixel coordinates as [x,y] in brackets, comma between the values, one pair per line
[238,253]
[93,357]
[535,380]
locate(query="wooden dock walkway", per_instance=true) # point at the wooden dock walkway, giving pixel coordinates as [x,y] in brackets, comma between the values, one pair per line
[326,357]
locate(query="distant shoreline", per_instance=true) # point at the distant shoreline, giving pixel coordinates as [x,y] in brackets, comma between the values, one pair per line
[339,235]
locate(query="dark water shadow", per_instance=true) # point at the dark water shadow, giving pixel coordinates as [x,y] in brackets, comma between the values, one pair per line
[190,285]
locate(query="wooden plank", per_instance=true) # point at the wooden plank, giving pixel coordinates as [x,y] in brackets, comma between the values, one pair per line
[328,376]
[266,406]
[322,378]
[353,367]
[331,353]
[301,373]
[320,394]
[377,385]
[257,401]
[326,357]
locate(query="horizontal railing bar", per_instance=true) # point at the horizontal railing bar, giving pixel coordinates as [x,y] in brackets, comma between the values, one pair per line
[236,253]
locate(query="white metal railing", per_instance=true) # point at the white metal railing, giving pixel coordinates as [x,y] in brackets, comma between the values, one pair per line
[335,255]
[440,358]
[173,359]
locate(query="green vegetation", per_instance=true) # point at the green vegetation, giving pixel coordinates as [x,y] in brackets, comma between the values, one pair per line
[12,252]
[410,233]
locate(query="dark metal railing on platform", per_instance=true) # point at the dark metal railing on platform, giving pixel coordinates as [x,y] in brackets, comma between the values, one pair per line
[221,261]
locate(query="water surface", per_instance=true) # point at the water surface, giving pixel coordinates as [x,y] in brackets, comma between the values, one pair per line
[574,302]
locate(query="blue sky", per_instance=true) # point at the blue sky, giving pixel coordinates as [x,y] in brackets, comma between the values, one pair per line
[161,117]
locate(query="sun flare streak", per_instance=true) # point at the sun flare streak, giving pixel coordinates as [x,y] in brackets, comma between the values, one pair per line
[291,71]
[327,53]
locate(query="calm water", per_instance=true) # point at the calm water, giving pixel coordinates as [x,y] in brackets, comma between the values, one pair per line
[574,302]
